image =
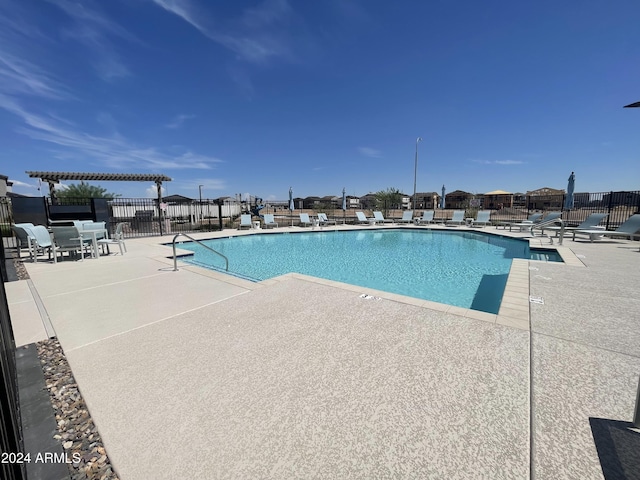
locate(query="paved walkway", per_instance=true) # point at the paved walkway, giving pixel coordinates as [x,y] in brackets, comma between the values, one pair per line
[193,374]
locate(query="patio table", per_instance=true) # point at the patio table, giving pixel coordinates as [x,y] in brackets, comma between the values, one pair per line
[94,238]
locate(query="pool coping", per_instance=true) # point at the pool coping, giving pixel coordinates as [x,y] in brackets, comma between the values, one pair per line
[514,308]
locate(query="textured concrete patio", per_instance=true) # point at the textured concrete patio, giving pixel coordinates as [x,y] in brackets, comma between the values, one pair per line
[195,374]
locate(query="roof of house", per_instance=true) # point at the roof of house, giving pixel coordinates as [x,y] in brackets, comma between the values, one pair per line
[498,192]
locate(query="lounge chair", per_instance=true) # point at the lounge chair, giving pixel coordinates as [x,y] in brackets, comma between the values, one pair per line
[25,238]
[379,218]
[68,239]
[628,229]
[116,239]
[43,241]
[269,220]
[482,218]
[457,219]
[528,223]
[322,218]
[304,220]
[407,217]
[591,221]
[245,221]
[363,219]
[427,217]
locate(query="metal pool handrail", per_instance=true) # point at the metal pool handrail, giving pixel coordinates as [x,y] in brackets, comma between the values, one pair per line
[175,258]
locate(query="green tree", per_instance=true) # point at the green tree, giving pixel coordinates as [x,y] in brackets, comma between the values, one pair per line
[84,190]
[387,199]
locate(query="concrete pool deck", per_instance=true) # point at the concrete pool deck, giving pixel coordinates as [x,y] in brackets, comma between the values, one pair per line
[195,374]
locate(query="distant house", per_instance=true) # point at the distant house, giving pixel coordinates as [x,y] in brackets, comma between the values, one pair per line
[311,202]
[545,198]
[332,200]
[368,201]
[177,199]
[497,199]
[427,200]
[458,199]
[352,202]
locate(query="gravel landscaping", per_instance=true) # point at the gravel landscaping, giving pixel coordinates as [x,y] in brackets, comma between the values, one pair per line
[76,431]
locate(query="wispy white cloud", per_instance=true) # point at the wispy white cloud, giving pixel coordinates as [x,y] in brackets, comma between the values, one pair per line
[152,191]
[257,36]
[18,76]
[179,120]
[114,152]
[92,28]
[18,183]
[370,152]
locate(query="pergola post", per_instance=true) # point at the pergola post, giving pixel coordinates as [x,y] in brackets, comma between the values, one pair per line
[160,216]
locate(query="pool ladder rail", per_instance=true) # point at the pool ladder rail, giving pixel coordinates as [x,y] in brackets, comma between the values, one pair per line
[175,258]
[540,226]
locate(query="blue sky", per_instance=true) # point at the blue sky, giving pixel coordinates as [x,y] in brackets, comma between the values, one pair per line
[255,97]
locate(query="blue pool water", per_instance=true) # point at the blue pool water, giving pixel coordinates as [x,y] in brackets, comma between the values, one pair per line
[465,269]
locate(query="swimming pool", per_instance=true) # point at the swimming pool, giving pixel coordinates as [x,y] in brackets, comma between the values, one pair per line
[465,269]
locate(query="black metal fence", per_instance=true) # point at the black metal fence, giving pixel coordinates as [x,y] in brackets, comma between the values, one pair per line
[11,439]
[145,217]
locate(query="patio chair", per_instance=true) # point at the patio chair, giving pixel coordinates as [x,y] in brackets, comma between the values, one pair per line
[82,225]
[379,218]
[528,223]
[42,241]
[628,229]
[68,239]
[457,219]
[24,237]
[304,220]
[363,219]
[591,221]
[322,218]
[407,217]
[116,239]
[269,221]
[482,218]
[427,217]
[245,221]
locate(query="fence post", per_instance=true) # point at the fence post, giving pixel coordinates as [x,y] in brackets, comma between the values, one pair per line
[609,210]
[636,414]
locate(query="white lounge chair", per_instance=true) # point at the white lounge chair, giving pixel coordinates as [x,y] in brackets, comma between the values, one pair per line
[322,218]
[427,217]
[305,220]
[457,219]
[528,223]
[363,219]
[379,218]
[269,220]
[628,229]
[482,218]
[245,221]
[24,237]
[407,217]
[591,221]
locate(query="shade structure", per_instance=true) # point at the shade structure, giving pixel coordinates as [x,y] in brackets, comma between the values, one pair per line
[568,201]
[291,205]
[442,201]
[344,204]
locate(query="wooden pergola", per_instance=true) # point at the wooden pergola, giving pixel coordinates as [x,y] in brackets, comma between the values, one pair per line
[52,178]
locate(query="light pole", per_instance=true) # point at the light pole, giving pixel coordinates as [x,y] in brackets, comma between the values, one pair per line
[200,191]
[415,175]
[636,413]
